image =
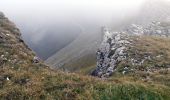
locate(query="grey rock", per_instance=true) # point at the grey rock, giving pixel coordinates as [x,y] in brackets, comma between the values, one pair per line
[109,54]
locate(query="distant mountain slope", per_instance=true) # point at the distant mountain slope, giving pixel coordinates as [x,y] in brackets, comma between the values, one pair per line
[79,54]
[47,38]
[76,56]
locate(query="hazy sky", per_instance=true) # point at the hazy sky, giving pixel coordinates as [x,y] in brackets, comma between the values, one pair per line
[65,8]
[65,19]
[77,12]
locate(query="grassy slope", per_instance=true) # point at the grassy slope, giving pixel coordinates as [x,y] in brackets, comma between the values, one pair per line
[36,81]
[157,48]
[83,65]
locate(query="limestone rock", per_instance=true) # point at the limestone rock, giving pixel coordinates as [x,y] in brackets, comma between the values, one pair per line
[111,52]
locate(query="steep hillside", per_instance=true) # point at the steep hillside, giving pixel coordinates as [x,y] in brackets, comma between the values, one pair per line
[24,77]
[79,52]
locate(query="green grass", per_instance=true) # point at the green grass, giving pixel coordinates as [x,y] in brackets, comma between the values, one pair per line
[81,65]
[63,86]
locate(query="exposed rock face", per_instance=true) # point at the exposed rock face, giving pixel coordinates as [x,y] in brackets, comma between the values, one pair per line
[118,47]
[111,52]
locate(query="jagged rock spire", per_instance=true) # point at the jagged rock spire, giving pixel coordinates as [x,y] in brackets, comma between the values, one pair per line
[110,52]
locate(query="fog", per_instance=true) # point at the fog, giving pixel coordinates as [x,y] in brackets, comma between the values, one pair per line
[49,25]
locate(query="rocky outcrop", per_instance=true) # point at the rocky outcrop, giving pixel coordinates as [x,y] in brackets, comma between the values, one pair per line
[155,28]
[118,47]
[111,52]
